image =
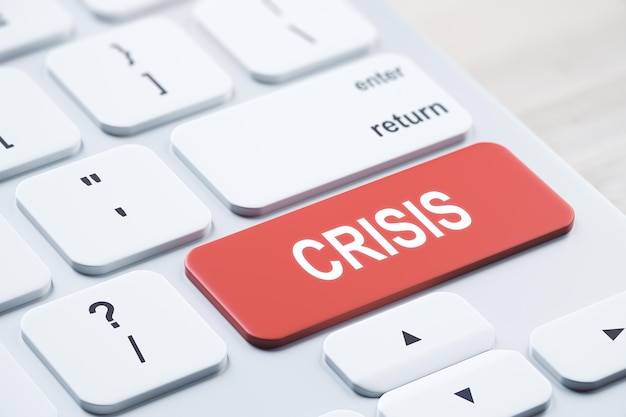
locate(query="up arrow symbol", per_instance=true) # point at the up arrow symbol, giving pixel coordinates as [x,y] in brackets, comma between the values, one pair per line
[613,333]
[409,339]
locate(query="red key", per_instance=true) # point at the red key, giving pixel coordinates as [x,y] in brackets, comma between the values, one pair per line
[315,267]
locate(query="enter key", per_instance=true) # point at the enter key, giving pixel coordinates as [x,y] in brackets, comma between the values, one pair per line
[323,132]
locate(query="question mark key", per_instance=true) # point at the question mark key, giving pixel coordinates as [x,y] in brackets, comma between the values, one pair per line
[126,329]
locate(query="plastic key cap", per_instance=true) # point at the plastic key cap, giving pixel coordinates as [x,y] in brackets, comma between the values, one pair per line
[25,145]
[413,340]
[498,383]
[23,276]
[108,210]
[116,331]
[291,37]
[139,75]
[19,396]
[26,25]
[315,267]
[584,350]
[344,128]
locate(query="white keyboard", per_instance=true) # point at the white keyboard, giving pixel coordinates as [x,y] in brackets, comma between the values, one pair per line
[286,208]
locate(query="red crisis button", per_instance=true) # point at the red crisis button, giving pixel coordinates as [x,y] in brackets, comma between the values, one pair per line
[315,267]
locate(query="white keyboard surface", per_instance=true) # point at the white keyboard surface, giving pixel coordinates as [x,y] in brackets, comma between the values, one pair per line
[273,208]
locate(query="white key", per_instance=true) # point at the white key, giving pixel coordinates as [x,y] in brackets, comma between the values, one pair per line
[26,25]
[286,38]
[140,75]
[408,342]
[23,276]
[497,383]
[19,396]
[33,130]
[111,209]
[323,132]
[122,9]
[124,341]
[584,350]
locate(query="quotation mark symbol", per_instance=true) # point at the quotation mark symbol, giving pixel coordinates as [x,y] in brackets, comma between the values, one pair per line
[96,179]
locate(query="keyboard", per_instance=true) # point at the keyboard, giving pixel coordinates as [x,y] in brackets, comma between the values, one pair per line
[286,208]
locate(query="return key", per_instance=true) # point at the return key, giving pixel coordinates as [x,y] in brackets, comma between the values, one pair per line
[319,134]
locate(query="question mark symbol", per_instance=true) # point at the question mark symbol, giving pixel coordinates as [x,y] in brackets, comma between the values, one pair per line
[109,314]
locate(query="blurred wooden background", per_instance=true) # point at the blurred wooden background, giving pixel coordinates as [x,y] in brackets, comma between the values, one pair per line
[559,65]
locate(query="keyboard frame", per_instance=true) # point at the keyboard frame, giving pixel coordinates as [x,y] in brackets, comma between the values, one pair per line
[515,295]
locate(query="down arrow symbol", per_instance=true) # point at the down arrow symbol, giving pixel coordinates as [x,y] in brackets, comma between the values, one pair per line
[613,333]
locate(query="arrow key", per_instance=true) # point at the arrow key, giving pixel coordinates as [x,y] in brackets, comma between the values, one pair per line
[498,383]
[408,342]
[584,350]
